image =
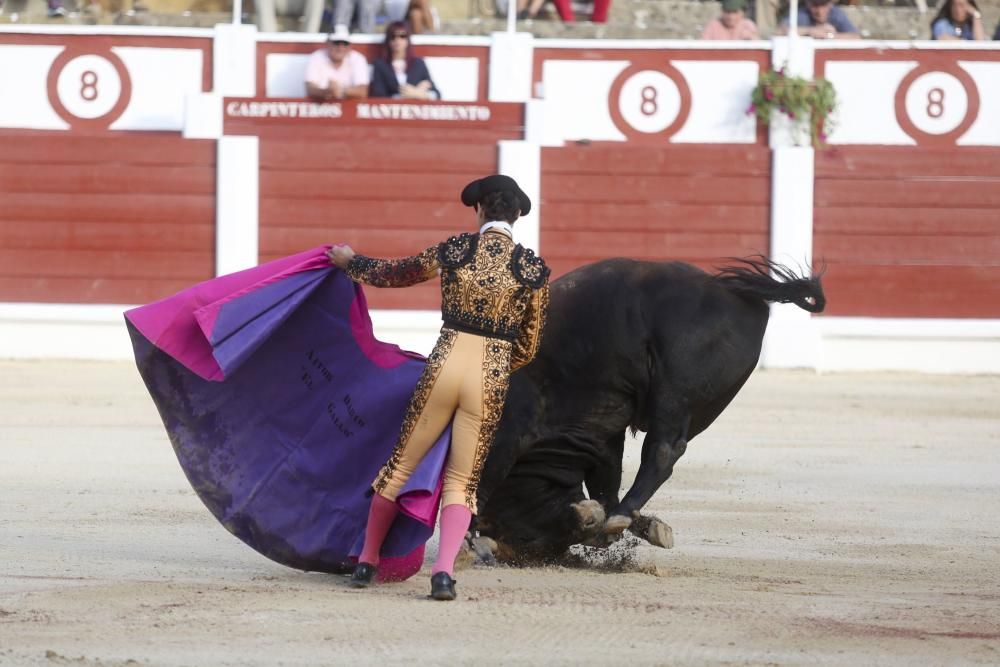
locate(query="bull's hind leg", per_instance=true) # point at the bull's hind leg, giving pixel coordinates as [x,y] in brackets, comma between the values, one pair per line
[603,480]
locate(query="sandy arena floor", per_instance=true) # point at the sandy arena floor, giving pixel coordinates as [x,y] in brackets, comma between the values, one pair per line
[840,519]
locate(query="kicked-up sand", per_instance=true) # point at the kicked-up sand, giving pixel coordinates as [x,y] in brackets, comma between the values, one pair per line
[848,519]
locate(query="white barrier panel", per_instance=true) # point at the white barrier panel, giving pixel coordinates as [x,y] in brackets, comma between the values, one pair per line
[967,347]
[101,79]
[157,101]
[985,130]
[715,91]
[678,92]
[64,331]
[97,332]
[894,93]
[866,94]
[26,84]
[236,225]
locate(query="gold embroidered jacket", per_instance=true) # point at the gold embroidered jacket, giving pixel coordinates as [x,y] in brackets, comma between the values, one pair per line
[490,286]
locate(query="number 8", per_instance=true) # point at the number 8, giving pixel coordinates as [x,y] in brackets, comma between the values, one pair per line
[648,105]
[935,102]
[88,85]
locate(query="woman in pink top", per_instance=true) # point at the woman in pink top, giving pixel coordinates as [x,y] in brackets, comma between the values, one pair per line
[731,24]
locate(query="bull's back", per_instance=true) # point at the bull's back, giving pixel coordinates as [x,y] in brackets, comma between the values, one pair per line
[596,322]
[669,326]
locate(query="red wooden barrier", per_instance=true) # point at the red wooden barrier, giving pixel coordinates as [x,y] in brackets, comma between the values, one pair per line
[119,218]
[389,188]
[695,203]
[909,233]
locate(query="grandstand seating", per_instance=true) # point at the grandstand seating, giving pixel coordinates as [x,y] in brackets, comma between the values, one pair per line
[629,19]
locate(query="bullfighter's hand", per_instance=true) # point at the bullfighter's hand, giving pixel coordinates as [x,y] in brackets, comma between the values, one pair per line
[340,255]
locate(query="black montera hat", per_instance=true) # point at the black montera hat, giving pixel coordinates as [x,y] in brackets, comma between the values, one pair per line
[476,190]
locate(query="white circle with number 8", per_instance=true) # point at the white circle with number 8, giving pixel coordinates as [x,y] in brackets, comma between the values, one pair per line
[649,101]
[936,102]
[89,86]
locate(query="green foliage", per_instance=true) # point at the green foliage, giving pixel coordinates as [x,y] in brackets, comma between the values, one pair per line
[809,104]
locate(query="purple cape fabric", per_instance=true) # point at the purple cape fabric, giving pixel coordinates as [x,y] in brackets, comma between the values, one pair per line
[282,406]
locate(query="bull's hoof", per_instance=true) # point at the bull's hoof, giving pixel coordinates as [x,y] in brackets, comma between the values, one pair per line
[617,524]
[653,531]
[466,555]
[484,548]
[590,515]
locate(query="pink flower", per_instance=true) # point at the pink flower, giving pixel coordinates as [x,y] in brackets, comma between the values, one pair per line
[752,108]
[768,94]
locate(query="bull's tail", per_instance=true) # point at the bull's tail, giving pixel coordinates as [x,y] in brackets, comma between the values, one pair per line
[762,278]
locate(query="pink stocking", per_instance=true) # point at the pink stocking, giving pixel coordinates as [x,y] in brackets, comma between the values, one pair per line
[565,9]
[380,517]
[455,521]
[600,14]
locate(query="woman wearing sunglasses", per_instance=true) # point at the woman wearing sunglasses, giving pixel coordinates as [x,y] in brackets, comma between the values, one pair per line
[398,72]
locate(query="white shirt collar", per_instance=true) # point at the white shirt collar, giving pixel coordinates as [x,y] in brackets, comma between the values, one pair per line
[505,227]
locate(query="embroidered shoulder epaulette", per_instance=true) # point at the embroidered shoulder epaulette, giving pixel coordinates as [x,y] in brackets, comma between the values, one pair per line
[528,268]
[458,250]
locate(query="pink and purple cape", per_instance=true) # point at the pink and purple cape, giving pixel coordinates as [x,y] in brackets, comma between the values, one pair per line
[282,406]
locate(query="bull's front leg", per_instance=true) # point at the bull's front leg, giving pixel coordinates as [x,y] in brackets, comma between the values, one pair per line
[660,451]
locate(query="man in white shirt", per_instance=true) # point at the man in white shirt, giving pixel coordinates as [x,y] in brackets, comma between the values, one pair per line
[337,71]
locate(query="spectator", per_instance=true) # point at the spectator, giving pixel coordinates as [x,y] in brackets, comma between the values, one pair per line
[821,19]
[958,19]
[399,73]
[996,33]
[421,16]
[55,9]
[764,14]
[337,71]
[528,9]
[346,11]
[732,23]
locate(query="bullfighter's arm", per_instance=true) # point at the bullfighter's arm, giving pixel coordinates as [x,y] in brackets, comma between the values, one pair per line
[526,345]
[394,272]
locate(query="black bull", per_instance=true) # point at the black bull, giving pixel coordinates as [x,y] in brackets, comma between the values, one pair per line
[657,347]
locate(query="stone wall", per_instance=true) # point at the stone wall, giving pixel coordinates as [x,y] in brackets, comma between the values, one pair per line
[629,19]
[684,19]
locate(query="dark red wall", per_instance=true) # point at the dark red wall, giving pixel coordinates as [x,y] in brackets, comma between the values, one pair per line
[696,203]
[388,192]
[119,218]
[909,232]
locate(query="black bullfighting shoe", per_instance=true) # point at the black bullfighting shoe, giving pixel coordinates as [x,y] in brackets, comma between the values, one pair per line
[442,586]
[363,576]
